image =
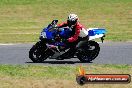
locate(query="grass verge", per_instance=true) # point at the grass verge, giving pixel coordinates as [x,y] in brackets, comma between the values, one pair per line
[39,76]
[30,16]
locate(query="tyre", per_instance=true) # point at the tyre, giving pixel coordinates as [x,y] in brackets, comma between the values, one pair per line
[89,52]
[81,80]
[38,53]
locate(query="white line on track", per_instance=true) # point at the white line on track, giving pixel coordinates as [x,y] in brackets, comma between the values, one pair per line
[18,33]
[9,44]
[6,44]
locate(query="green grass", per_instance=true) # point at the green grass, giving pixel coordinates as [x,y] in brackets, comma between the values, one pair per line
[39,76]
[30,16]
[60,72]
[37,71]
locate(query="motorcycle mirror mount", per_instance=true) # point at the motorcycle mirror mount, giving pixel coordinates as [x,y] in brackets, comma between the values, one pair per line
[102,38]
[54,21]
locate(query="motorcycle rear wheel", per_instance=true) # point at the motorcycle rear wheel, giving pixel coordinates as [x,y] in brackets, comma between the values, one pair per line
[89,53]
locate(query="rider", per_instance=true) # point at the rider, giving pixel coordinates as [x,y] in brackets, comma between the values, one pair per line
[78,32]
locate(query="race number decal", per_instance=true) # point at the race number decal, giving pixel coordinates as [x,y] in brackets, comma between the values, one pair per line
[43,34]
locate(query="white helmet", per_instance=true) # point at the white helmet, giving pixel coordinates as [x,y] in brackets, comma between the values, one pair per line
[72,19]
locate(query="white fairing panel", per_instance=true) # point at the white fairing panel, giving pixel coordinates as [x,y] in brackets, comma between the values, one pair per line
[43,34]
[83,33]
[96,36]
[97,33]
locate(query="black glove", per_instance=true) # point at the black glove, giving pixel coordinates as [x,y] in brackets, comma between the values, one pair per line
[65,41]
[54,22]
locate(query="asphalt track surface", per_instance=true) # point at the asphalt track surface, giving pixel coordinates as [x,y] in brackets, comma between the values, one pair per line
[110,53]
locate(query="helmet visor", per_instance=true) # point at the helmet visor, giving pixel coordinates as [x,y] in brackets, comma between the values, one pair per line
[71,22]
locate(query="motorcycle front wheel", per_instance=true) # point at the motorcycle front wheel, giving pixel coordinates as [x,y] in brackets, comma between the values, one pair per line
[38,53]
[89,53]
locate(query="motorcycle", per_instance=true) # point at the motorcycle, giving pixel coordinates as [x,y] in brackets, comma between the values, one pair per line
[51,44]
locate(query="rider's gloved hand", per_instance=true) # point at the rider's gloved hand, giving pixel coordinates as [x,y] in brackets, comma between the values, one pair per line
[65,41]
[57,28]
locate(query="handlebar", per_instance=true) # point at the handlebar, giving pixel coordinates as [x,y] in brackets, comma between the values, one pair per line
[54,28]
[54,25]
[54,22]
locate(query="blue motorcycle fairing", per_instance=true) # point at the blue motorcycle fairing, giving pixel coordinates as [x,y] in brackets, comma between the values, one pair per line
[63,33]
[49,34]
[96,31]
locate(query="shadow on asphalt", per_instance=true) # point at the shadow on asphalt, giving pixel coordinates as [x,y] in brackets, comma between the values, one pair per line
[61,62]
